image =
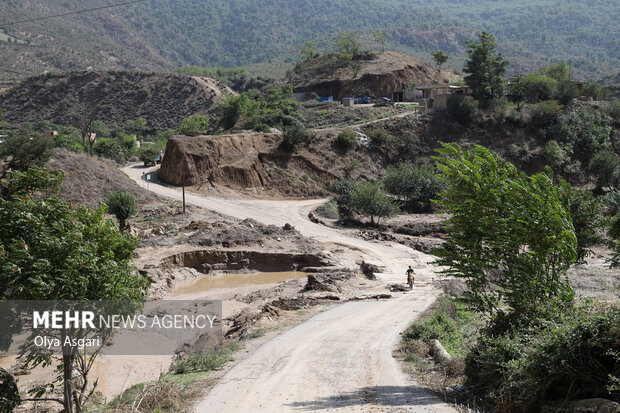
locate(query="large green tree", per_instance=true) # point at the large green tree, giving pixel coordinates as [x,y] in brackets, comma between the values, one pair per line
[440,57]
[485,68]
[49,251]
[511,238]
[369,199]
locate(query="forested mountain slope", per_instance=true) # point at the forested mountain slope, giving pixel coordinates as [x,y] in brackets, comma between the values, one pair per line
[165,34]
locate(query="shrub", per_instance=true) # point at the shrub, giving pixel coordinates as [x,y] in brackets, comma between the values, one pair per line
[204,361]
[379,137]
[594,90]
[109,148]
[369,199]
[294,135]
[148,155]
[346,139]
[122,205]
[539,87]
[329,210]
[587,130]
[9,394]
[575,355]
[463,109]
[343,188]
[450,323]
[586,214]
[545,114]
[194,126]
[555,155]
[606,167]
[611,201]
[612,109]
[413,183]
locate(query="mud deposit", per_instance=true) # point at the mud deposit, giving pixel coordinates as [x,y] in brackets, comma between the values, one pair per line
[213,282]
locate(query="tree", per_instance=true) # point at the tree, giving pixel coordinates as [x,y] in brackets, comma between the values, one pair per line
[485,68]
[122,205]
[369,199]
[413,183]
[440,57]
[308,51]
[194,126]
[148,155]
[380,38]
[9,393]
[21,152]
[348,42]
[51,251]
[86,114]
[511,238]
[517,90]
[294,135]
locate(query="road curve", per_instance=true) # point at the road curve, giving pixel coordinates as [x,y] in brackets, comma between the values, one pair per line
[339,360]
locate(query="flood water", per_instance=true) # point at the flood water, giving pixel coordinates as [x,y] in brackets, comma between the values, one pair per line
[214,282]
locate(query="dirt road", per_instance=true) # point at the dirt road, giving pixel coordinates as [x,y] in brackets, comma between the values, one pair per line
[340,360]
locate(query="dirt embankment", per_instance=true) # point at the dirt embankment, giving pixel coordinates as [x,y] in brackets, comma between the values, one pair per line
[379,75]
[88,180]
[249,163]
[163,99]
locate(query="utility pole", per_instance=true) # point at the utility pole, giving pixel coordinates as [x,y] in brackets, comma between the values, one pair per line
[183,183]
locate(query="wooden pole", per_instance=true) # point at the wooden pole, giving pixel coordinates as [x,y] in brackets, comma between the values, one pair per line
[183,183]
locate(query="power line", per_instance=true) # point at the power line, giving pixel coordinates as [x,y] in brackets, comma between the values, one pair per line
[72,12]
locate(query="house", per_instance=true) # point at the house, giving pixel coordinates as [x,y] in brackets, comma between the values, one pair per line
[437,95]
[51,133]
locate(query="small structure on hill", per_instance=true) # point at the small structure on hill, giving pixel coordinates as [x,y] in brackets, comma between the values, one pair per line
[436,95]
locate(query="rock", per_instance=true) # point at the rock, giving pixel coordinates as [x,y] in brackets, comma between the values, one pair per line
[288,227]
[369,269]
[440,355]
[398,287]
[320,282]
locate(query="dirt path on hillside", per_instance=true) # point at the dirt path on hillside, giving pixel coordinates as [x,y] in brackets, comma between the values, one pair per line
[370,122]
[340,360]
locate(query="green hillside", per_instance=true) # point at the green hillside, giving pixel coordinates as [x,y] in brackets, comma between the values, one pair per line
[166,34]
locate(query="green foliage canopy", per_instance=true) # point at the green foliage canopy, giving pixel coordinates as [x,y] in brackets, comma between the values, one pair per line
[485,69]
[507,230]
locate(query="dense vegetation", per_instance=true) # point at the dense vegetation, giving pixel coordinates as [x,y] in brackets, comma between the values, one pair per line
[164,35]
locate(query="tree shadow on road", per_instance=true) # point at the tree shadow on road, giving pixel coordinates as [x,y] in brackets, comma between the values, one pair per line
[378,395]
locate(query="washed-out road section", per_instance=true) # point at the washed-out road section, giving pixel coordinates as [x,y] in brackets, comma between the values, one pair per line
[339,360]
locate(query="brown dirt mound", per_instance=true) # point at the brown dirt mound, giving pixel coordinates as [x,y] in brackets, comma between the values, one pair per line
[163,99]
[88,180]
[380,74]
[242,162]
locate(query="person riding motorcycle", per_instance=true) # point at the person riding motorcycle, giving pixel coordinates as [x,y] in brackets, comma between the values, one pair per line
[410,277]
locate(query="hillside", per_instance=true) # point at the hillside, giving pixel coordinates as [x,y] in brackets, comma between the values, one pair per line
[116,96]
[161,35]
[379,75]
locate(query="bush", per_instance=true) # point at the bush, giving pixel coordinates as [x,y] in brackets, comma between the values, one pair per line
[606,167]
[369,199]
[194,126]
[450,323]
[586,214]
[343,188]
[594,90]
[575,355]
[545,114]
[147,155]
[463,109]
[555,155]
[346,139]
[294,135]
[9,394]
[612,109]
[204,361]
[413,183]
[611,201]
[379,137]
[329,210]
[587,130]
[122,205]
[539,87]
[109,148]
